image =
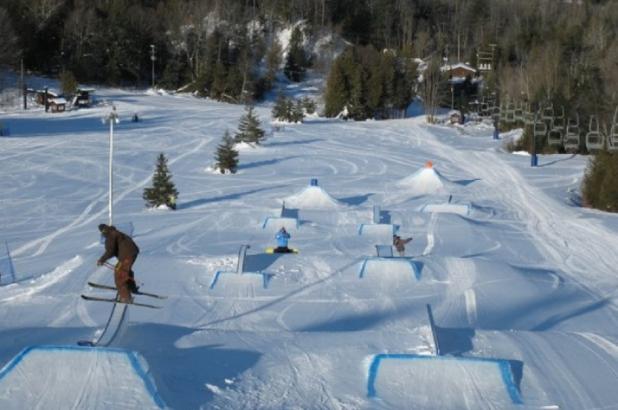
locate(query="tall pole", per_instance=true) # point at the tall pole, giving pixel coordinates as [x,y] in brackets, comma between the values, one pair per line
[112,118]
[153,58]
[24,91]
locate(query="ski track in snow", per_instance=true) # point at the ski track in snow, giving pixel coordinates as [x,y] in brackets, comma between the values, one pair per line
[318,322]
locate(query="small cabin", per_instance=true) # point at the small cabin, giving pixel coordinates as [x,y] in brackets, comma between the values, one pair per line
[459,71]
[83,98]
[39,96]
[57,104]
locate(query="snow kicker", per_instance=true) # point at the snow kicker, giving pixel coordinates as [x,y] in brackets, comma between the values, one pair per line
[60,377]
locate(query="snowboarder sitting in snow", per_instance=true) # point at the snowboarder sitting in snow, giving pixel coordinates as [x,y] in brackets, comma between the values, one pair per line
[400,244]
[282,238]
[125,250]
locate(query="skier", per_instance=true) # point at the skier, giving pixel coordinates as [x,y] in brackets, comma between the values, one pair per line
[282,238]
[125,250]
[400,244]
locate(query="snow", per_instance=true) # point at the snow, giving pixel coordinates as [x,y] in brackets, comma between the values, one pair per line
[312,197]
[514,270]
[56,377]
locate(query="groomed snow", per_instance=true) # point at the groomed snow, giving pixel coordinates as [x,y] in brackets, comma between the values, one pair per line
[525,276]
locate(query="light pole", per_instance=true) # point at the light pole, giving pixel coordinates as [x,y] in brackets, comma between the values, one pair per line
[112,118]
[152,59]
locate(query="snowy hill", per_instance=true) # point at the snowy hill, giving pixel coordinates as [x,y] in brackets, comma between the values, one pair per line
[521,281]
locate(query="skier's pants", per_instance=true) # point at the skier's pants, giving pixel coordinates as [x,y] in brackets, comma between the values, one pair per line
[123,275]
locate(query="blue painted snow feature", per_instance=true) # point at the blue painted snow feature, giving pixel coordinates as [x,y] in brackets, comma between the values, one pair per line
[313,182]
[361,227]
[434,333]
[376,214]
[274,220]
[504,367]
[409,261]
[265,277]
[132,356]
[384,251]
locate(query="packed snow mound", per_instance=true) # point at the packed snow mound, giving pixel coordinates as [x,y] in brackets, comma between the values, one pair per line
[62,377]
[313,197]
[425,181]
[425,382]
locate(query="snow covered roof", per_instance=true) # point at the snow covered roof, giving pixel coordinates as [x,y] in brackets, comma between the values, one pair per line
[451,67]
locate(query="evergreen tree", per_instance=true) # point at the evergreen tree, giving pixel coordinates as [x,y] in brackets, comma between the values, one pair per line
[337,91]
[68,83]
[296,61]
[309,105]
[273,61]
[163,191]
[249,128]
[297,114]
[227,156]
[280,109]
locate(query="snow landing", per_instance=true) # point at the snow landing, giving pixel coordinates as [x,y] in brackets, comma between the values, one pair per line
[425,181]
[427,382]
[313,197]
[63,377]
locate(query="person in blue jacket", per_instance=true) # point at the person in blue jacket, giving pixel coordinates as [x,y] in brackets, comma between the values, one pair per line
[282,238]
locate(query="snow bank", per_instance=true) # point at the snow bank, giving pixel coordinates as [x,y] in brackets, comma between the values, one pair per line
[389,269]
[61,377]
[426,382]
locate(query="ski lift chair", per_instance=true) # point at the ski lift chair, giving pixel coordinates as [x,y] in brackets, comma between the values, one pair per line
[540,128]
[484,109]
[556,132]
[594,138]
[518,112]
[548,113]
[509,114]
[612,138]
[528,117]
[571,138]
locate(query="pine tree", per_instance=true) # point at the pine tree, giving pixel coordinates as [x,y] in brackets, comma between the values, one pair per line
[227,156]
[279,111]
[296,61]
[163,191]
[249,128]
[297,112]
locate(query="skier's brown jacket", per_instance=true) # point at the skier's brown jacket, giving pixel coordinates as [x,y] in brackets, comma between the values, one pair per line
[119,245]
[400,244]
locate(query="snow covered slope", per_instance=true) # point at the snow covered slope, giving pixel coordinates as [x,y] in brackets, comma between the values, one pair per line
[513,269]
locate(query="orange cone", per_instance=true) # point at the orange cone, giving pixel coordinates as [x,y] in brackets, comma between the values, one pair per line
[428,164]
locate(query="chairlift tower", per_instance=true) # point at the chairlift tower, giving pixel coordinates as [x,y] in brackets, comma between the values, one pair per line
[153,59]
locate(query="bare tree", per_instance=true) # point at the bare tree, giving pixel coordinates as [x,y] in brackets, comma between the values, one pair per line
[9,48]
[430,87]
[43,10]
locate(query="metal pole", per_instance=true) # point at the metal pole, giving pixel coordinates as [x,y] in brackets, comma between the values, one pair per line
[113,117]
[152,58]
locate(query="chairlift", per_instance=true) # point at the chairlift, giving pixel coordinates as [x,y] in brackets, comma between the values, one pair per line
[612,138]
[571,138]
[518,112]
[556,132]
[594,138]
[528,115]
[540,128]
[484,109]
[548,113]
[509,114]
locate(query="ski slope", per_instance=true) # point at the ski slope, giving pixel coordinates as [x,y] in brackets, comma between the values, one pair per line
[521,279]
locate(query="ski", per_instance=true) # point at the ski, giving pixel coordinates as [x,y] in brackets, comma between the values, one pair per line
[87,343]
[272,251]
[113,300]
[152,295]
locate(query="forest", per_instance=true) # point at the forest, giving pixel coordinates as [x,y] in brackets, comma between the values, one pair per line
[542,53]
